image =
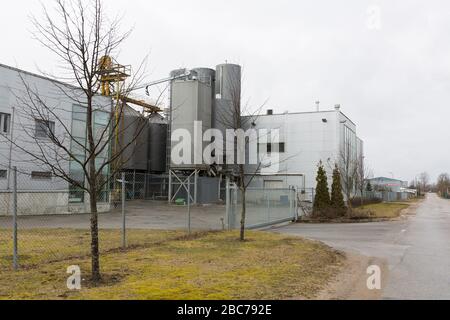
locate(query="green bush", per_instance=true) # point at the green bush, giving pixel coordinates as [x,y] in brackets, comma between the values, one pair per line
[322,201]
[337,197]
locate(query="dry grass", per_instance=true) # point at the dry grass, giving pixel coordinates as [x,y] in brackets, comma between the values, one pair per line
[38,246]
[382,210]
[208,266]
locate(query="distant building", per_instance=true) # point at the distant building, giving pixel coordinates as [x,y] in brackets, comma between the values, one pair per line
[388,184]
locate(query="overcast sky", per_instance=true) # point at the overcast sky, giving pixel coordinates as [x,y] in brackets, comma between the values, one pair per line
[386,62]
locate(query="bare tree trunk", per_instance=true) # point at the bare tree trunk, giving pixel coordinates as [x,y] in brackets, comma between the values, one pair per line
[243,189]
[95,252]
[362,197]
[243,213]
[92,180]
[349,201]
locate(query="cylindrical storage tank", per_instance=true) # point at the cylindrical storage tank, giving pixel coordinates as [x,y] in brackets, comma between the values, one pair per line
[178,72]
[205,75]
[157,147]
[192,100]
[228,81]
[227,95]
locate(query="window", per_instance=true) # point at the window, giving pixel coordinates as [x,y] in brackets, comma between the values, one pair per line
[101,117]
[5,123]
[39,175]
[3,174]
[79,129]
[78,148]
[274,147]
[44,128]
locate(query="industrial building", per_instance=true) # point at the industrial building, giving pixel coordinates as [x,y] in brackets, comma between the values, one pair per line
[306,138]
[40,190]
[388,184]
[206,95]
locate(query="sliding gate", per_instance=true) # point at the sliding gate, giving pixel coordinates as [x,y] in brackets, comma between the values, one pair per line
[264,207]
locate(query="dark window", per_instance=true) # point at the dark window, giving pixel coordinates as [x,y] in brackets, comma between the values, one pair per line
[274,147]
[44,128]
[3,174]
[38,175]
[76,195]
[5,123]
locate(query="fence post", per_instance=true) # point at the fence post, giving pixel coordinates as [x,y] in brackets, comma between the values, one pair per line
[227,202]
[293,195]
[15,249]
[134,185]
[124,218]
[170,187]
[189,205]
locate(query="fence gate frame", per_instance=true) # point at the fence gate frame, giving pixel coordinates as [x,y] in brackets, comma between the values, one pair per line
[231,206]
[184,184]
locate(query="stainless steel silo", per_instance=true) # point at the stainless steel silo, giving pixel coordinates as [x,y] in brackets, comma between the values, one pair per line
[192,100]
[157,144]
[205,75]
[227,96]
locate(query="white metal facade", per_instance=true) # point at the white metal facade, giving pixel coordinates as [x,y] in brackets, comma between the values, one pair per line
[310,137]
[54,94]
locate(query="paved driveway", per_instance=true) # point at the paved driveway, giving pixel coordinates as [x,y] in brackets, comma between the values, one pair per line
[140,215]
[417,249]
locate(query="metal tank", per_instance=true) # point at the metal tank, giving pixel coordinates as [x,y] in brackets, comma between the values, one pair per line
[157,141]
[227,95]
[205,75]
[192,100]
[177,73]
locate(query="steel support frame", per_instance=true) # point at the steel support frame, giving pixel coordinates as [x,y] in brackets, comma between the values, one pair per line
[184,184]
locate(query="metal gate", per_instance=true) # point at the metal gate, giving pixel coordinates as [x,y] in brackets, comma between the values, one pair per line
[264,207]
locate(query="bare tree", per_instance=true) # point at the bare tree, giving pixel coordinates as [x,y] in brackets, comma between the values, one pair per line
[443,184]
[363,174]
[83,39]
[424,181]
[239,117]
[348,167]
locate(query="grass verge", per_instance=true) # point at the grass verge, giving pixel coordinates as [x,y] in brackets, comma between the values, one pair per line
[207,266]
[385,210]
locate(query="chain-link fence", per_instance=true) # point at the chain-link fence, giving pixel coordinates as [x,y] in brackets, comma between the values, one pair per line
[141,186]
[263,207]
[44,220]
[387,196]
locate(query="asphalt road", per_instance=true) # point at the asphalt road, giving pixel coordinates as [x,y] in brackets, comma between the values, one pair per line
[417,249]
